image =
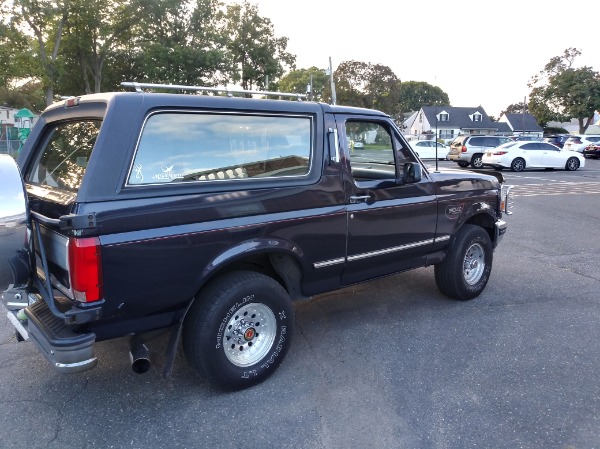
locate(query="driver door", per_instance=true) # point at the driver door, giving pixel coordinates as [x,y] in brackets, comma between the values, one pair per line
[391,220]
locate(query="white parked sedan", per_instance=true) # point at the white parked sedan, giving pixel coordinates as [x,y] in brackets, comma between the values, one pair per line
[520,155]
[425,149]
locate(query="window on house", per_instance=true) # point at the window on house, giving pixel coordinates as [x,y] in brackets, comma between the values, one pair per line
[477,117]
[443,117]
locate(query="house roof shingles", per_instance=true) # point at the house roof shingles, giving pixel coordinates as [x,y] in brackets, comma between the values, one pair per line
[458,117]
[523,123]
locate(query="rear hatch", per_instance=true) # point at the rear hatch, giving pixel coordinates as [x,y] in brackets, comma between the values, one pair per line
[53,175]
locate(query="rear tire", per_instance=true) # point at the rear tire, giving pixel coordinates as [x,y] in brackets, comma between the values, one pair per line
[463,164]
[239,329]
[477,161]
[465,271]
[517,164]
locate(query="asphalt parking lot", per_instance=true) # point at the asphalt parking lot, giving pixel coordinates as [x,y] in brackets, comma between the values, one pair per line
[388,364]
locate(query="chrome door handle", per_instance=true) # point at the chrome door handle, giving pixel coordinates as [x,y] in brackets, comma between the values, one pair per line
[359,199]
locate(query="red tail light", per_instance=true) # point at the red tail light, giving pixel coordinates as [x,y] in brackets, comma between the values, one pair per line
[500,153]
[464,149]
[86,269]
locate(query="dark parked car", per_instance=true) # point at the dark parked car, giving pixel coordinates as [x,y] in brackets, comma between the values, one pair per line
[206,216]
[557,139]
[592,150]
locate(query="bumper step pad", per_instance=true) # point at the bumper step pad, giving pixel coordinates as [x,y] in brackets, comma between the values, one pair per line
[66,350]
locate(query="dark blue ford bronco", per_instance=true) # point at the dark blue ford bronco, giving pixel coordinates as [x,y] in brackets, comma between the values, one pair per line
[206,216]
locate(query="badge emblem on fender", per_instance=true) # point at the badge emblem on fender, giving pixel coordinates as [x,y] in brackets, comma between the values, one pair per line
[453,211]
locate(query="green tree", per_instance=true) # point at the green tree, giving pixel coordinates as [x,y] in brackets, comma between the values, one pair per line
[28,95]
[180,43]
[297,81]
[516,108]
[416,94]
[45,19]
[17,59]
[368,85]
[258,58]
[95,29]
[561,92]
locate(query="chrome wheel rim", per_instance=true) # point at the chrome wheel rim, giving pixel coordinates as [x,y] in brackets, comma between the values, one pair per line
[573,164]
[478,162]
[518,165]
[249,334]
[474,264]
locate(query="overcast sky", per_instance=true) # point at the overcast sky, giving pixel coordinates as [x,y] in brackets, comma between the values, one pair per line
[478,52]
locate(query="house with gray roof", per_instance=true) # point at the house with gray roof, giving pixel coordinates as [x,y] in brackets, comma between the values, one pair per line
[522,124]
[447,122]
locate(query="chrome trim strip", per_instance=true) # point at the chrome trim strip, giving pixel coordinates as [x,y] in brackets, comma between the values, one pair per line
[390,250]
[84,363]
[328,263]
[18,326]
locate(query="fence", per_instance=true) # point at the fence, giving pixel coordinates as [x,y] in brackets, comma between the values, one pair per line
[11,147]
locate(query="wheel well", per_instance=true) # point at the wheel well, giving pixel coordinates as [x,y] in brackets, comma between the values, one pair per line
[282,267]
[484,221]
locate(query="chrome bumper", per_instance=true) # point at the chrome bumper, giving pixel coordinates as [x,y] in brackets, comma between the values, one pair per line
[67,351]
[499,230]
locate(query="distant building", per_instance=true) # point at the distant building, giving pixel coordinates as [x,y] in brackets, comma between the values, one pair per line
[447,122]
[522,124]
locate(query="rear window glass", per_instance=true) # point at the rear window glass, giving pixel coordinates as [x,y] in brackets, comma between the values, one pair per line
[181,147]
[65,154]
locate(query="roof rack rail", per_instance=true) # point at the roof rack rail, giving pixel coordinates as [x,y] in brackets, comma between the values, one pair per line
[139,87]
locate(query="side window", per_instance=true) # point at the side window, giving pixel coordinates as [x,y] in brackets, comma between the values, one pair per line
[63,159]
[379,153]
[546,146]
[477,142]
[182,147]
[491,142]
[531,147]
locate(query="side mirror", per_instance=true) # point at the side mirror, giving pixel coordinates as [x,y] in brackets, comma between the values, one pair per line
[412,173]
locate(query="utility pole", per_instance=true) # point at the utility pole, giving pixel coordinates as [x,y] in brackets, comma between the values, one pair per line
[333,97]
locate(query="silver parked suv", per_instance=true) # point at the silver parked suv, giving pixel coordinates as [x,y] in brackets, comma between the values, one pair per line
[467,149]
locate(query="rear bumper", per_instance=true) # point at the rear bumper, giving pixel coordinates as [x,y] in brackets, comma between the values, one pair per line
[67,351]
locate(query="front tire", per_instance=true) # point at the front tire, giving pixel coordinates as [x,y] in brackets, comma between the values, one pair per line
[239,329]
[572,164]
[465,271]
